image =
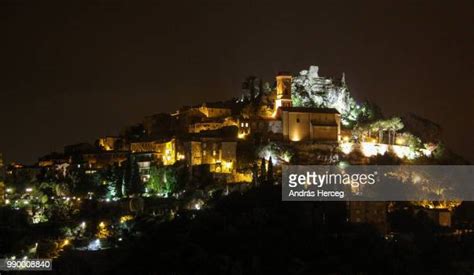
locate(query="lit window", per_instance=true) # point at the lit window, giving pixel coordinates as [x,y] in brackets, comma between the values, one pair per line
[246,124]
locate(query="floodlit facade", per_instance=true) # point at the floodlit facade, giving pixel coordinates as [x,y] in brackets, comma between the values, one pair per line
[108,143]
[208,110]
[302,124]
[163,151]
[104,159]
[283,90]
[220,155]
[211,124]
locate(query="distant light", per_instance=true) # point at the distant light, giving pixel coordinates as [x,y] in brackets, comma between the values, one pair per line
[346,148]
[125,218]
[94,245]
[101,224]
[343,164]
[29,189]
[400,141]
[369,149]
[241,136]
[83,224]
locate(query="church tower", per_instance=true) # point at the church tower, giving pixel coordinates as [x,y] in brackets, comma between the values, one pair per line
[283,89]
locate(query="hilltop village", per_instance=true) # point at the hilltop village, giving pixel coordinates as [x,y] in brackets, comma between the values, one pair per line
[307,119]
[171,165]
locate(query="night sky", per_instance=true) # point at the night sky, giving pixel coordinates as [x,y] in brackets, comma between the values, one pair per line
[73,73]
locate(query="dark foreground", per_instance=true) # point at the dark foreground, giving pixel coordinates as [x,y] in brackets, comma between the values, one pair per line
[257,233]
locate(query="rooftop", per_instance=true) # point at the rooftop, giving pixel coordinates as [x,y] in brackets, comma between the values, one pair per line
[309,110]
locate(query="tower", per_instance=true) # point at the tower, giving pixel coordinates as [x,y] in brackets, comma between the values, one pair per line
[283,98]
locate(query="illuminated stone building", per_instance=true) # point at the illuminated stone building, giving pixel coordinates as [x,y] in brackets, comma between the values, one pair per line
[244,127]
[315,124]
[101,160]
[53,159]
[214,110]
[208,110]
[208,116]
[266,125]
[287,122]
[283,90]
[109,143]
[220,155]
[206,124]
[144,162]
[301,123]
[166,152]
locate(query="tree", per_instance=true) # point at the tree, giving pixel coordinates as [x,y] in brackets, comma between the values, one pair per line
[81,183]
[132,180]
[163,180]
[135,180]
[370,112]
[255,174]
[270,170]
[118,175]
[391,126]
[113,177]
[263,170]
[154,182]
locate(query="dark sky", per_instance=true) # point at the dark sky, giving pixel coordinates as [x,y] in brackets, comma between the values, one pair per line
[73,73]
